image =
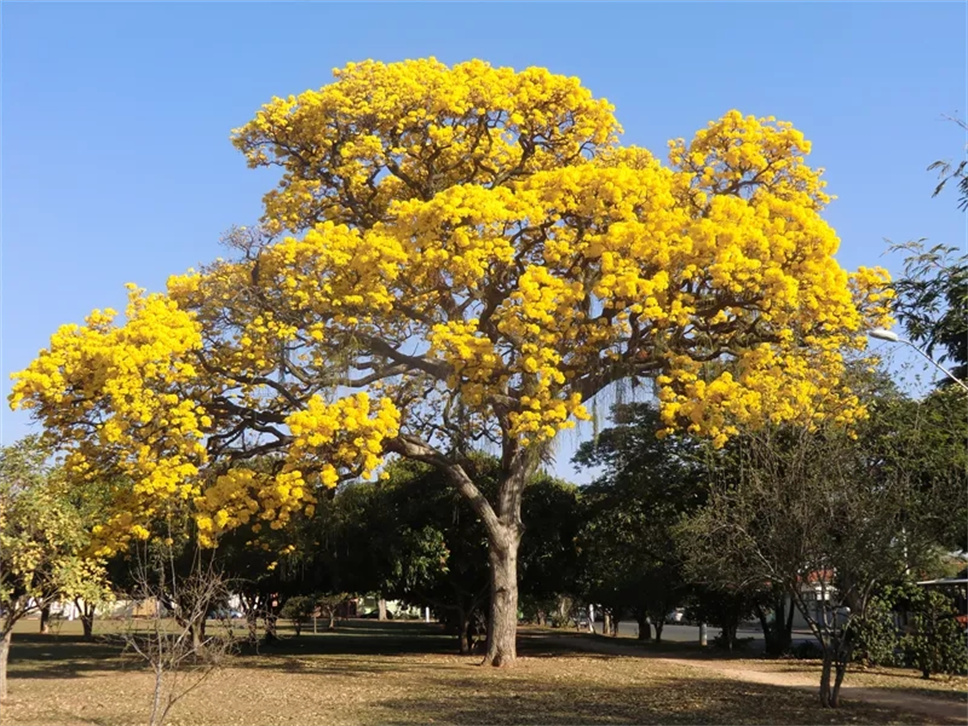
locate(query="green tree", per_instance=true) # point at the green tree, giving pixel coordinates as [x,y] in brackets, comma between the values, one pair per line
[932,303]
[832,518]
[628,544]
[548,558]
[44,546]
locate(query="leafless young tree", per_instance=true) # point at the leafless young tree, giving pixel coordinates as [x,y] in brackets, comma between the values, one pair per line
[172,639]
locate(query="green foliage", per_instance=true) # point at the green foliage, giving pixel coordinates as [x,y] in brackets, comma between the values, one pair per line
[724,609]
[936,641]
[932,303]
[547,558]
[629,557]
[299,608]
[411,537]
[953,172]
[875,635]
[44,536]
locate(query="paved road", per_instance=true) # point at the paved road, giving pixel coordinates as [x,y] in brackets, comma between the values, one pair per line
[685,633]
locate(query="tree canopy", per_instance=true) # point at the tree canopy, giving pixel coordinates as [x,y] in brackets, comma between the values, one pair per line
[472,256]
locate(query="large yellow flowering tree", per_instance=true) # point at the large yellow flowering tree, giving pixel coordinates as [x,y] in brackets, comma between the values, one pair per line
[473,256]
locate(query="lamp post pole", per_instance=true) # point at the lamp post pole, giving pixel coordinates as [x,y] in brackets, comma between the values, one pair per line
[891,337]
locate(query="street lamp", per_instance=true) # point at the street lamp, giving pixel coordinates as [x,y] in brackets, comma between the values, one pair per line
[891,337]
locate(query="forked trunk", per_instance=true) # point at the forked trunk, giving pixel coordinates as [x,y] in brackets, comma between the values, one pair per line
[503,622]
[840,672]
[87,611]
[825,680]
[4,652]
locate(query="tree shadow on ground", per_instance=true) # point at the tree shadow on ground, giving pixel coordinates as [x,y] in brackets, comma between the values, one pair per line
[64,656]
[666,701]
[71,656]
[559,642]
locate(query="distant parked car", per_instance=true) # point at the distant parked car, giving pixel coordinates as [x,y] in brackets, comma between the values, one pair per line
[226,613]
[676,616]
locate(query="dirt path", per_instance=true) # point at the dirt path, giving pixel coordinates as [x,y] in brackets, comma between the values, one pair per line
[939,709]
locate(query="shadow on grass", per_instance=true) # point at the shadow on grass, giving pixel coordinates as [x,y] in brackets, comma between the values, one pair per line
[666,701]
[71,656]
[63,656]
[562,642]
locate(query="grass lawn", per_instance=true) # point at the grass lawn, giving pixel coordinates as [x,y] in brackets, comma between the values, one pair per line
[399,672]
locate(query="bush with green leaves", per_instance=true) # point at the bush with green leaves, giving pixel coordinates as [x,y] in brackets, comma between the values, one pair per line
[936,641]
[876,637]
[299,609]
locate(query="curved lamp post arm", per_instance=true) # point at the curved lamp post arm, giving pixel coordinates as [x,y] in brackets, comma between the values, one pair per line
[891,337]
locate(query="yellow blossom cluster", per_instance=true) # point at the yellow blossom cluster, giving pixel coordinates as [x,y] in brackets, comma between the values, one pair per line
[243,495]
[345,432]
[110,395]
[432,127]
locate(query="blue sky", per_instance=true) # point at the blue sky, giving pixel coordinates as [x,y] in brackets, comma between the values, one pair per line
[117,166]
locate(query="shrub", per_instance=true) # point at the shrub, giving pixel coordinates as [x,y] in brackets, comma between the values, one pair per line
[936,642]
[299,609]
[876,639]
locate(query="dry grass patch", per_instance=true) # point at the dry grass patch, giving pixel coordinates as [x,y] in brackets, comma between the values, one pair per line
[375,673]
[907,679]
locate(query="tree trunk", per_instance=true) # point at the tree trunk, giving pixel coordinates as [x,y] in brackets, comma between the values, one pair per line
[786,640]
[87,611]
[197,637]
[381,606]
[840,671]
[504,529]
[659,624]
[645,628]
[270,625]
[156,700]
[464,631]
[825,695]
[4,652]
[502,625]
[45,620]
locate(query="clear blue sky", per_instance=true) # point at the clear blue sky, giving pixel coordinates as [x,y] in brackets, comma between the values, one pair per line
[117,166]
